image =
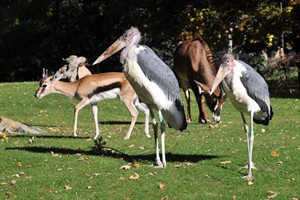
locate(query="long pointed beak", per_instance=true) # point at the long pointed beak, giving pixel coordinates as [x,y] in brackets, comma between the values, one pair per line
[222,73]
[114,48]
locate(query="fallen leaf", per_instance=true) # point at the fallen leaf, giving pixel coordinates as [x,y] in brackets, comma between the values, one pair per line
[67,187]
[250,182]
[177,166]
[8,193]
[136,165]
[13,182]
[54,154]
[274,154]
[16,175]
[21,173]
[125,167]
[211,126]
[134,176]
[20,164]
[3,183]
[122,178]
[161,186]
[142,148]
[225,162]
[272,194]
[130,146]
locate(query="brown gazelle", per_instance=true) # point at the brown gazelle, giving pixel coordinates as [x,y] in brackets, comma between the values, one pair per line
[94,88]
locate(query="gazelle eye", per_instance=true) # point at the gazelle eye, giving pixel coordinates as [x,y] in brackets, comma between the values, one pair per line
[44,86]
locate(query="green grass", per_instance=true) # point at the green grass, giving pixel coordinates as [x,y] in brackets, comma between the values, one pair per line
[43,169]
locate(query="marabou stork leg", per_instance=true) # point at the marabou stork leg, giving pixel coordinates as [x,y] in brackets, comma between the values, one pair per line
[162,129]
[250,142]
[158,163]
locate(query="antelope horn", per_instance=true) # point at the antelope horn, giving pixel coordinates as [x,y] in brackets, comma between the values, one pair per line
[45,73]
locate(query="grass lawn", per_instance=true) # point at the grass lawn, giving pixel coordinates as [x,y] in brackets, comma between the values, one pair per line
[203,161]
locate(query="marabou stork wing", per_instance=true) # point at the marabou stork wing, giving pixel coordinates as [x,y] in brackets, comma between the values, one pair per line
[158,72]
[257,88]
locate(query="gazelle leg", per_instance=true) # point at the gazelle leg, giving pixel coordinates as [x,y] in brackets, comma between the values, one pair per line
[188,103]
[143,107]
[95,114]
[78,107]
[134,115]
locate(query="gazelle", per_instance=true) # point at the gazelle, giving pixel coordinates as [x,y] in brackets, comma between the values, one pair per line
[94,88]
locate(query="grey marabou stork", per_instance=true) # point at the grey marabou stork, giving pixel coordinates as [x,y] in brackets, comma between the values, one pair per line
[154,83]
[249,94]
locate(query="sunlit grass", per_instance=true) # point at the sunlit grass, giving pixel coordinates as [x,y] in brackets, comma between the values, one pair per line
[203,162]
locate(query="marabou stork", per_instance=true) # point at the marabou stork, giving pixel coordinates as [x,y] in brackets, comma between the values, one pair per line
[154,83]
[249,94]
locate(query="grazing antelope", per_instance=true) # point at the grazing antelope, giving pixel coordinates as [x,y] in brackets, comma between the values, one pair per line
[194,68]
[94,88]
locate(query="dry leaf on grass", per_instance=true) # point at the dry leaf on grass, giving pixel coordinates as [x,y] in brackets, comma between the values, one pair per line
[20,164]
[136,165]
[272,194]
[67,187]
[274,154]
[162,186]
[13,182]
[134,176]
[225,162]
[125,167]
[54,154]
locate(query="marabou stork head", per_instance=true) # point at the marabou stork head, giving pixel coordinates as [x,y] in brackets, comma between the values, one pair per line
[226,66]
[130,38]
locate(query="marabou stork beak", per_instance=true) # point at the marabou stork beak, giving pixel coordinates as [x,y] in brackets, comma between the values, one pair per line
[222,73]
[114,48]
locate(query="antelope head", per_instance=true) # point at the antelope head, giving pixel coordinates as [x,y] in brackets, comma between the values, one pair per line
[46,85]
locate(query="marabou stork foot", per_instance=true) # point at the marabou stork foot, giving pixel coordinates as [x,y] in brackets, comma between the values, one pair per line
[252,166]
[159,165]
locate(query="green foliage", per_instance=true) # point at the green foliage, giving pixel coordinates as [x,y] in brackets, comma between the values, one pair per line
[203,161]
[36,34]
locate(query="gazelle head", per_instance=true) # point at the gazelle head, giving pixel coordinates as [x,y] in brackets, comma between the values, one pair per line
[46,85]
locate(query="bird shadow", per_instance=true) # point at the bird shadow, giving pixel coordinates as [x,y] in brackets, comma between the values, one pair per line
[114,153]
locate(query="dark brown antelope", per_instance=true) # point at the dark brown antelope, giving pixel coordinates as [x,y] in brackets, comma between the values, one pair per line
[94,88]
[194,68]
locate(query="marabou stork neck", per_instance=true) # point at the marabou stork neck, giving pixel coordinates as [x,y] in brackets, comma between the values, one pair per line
[249,94]
[154,83]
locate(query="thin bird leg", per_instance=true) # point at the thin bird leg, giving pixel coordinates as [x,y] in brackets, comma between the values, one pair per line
[250,142]
[158,163]
[247,136]
[162,129]
[95,114]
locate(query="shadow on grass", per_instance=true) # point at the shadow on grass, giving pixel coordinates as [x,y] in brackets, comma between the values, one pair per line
[117,122]
[114,153]
[49,136]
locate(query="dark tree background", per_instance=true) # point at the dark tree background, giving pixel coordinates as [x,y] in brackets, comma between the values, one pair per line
[36,34]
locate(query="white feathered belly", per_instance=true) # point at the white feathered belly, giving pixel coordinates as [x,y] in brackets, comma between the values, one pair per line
[240,99]
[147,91]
